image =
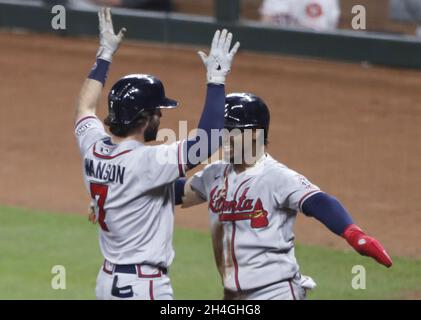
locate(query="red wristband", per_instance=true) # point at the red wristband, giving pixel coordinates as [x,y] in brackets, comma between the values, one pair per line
[366,245]
[352,233]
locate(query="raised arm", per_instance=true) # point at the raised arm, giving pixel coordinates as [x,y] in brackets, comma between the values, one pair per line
[186,196]
[218,65]
[92,87]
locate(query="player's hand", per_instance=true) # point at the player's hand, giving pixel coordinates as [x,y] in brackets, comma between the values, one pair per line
[92,216]
[218,62]
[366,245]
[108,40]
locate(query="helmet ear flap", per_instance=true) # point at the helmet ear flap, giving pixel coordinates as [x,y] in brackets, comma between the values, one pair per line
[111,112]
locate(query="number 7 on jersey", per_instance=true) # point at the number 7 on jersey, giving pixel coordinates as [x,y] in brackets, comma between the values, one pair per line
[99,194]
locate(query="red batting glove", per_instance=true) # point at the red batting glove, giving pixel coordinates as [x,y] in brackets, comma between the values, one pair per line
[366,245]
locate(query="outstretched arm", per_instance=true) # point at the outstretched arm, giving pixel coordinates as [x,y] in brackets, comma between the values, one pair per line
[218,65]
[329,211]
[185,195]
[92,87]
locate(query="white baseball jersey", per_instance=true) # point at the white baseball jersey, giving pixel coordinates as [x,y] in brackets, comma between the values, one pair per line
[318,15]
[252,215]
[134,194]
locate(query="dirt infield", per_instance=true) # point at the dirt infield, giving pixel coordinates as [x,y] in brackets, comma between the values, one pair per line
[355,131]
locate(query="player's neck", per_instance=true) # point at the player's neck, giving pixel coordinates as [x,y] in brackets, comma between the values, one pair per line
[241,167]
[238,168]
[135,137]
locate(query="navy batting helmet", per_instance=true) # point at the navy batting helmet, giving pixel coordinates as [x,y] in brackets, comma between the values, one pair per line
[133,94]
[245,110]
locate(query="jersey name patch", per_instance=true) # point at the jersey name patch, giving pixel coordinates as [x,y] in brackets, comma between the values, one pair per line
[83,128]
[104,171]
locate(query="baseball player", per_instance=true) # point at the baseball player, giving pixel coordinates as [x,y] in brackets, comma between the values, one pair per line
[253,207]
[131,183]
[320,15]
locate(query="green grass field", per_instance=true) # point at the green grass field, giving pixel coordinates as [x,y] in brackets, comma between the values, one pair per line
[31,243]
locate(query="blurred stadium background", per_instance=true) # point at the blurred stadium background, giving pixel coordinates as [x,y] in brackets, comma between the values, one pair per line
[392,26]
[390,16]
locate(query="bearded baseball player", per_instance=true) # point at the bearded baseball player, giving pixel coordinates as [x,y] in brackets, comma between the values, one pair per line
[131,183]
[253,206]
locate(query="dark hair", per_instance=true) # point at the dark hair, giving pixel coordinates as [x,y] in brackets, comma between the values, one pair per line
[266,136]
[123,131]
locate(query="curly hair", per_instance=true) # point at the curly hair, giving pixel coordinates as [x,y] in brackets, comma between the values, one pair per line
[123,131]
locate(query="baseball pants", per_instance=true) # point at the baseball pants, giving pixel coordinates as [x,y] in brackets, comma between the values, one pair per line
[147,283]
[292,289]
